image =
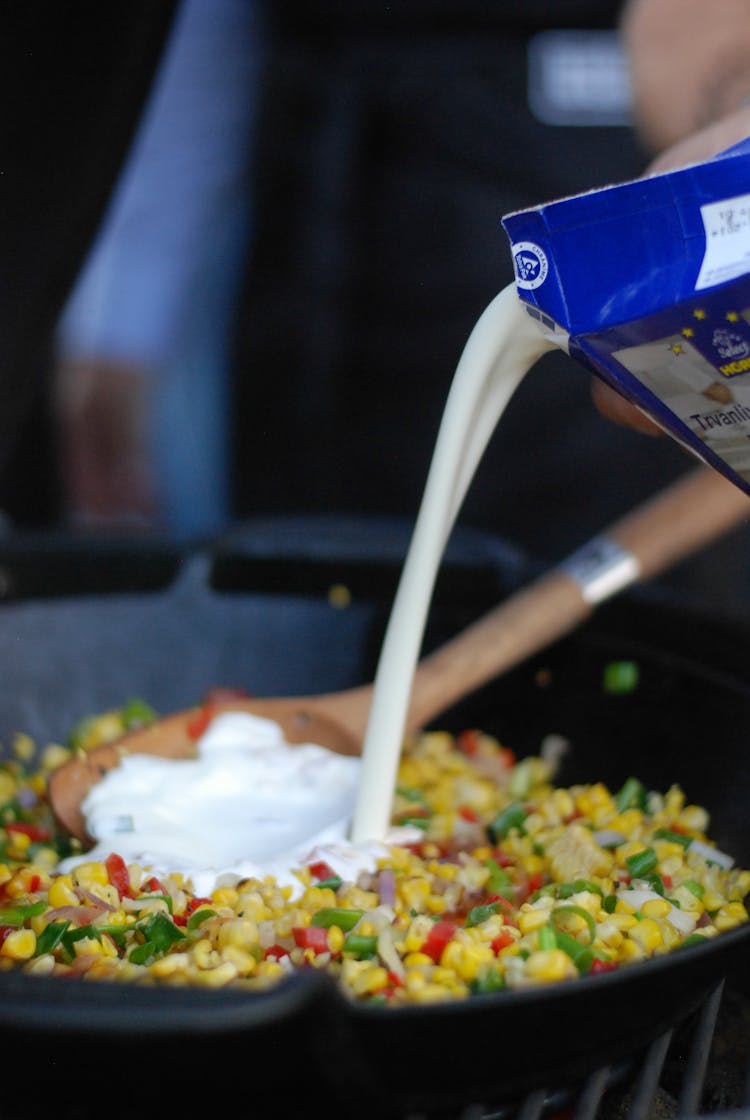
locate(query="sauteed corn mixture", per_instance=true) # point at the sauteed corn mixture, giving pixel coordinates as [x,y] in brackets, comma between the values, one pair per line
[513,882]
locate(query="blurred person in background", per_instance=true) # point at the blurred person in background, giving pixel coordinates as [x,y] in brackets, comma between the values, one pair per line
[141,394]
[391,141]
[690,82]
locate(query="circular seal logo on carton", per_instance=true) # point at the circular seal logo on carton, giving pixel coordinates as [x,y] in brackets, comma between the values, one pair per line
[531,265]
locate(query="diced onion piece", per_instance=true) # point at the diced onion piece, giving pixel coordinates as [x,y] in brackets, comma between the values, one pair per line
[608,838]
[553,750]
[682,921]
[388,953]
[714,855]
[387,886]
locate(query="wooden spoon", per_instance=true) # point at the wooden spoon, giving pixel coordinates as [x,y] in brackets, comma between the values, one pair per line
[681,519]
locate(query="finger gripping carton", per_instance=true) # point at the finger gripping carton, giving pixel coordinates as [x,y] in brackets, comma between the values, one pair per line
[647,284]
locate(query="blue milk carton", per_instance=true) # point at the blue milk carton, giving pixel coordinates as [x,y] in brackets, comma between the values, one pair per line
[647,284]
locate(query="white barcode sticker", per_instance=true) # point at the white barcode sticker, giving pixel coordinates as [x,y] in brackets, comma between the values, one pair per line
[727,228]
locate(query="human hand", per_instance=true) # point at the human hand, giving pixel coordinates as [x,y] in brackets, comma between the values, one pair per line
[101,411]
[690,79]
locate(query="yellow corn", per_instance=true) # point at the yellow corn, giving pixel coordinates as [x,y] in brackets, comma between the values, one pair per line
[225,896]
[335,938]
[20,945]
[7,787]
[466,960]
[550,965]
[171,965]
[239,932]
[416,958]
[87,875]
[531,918]
[54,756]
[647,934]
[712,900]
[694,818]
[61,892]
[655,908]
[242,961]
[730,915]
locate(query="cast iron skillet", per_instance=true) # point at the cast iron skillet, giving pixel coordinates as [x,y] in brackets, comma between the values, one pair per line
[258,616]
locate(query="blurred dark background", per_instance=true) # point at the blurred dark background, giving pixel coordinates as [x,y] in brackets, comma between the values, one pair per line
[384,143]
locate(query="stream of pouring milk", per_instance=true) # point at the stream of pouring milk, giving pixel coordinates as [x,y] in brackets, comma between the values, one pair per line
[249,804]
[503,346]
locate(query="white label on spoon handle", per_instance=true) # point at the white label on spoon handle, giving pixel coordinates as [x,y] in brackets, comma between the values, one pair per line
[601,568]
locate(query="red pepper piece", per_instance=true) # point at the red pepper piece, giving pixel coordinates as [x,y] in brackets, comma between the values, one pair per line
[598,965]
[321,870]
[276,952]
[468,813]
[502,901]
[194,903]
[154,885]
[214,700]
[502,941]
[438,937]
[536,880]
[199,722]
[117,873]
[311,937]
[468,741]
[34,833]
[501,859]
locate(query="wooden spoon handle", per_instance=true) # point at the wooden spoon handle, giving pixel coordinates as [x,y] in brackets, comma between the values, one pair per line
[681,519]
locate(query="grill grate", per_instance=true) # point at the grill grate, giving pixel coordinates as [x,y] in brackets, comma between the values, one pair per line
[699,1070]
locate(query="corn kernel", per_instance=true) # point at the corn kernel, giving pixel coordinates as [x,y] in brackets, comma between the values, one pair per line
[61,892]
[270,970]
[631,951]
[647,934]
[172,964]
[20,843]
[54,756]
[243,962]
[730,915]
[19,945]
[370,980]
[412,959]
[86,875]
[217,977]
[712,900]
[694,818]
[550,965]
[417,933]
[204,956]
[225,896]
[240,932]
[89,947]
[23,747]
[336,938]
[623,919]
[655,908]
[7,787]
[531,918]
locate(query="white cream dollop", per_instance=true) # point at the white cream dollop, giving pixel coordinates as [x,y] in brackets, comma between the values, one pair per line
[248,805]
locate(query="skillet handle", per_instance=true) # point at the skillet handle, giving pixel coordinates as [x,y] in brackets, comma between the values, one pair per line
[686,516]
